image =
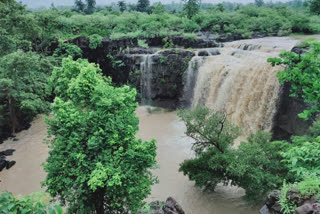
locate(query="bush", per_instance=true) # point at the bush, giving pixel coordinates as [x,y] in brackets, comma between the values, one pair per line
[35,203]
[95,41]
[67,49]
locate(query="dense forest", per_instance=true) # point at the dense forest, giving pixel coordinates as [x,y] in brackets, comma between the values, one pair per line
[96,164]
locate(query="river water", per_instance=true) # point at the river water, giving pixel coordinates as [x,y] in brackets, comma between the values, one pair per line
[173,147]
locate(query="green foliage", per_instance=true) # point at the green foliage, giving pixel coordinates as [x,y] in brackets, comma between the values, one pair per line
[302,71]
[168,43]
[95,41]
[255,165]
[115,63]
[23,81]
[122,6]
[303,159]
[259,3]
[35,203]
[94,150]
[315,6]
[213,137]
[143,5]
[158,8]
[191,8]
[67,49]
[306,43]
[142,43]
[308,187]
[287,206]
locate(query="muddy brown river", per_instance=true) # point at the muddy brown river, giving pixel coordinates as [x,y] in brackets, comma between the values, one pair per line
[173,147]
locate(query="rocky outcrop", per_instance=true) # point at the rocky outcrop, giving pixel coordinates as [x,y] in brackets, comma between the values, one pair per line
[5,163]
[123,61]
[286,121]
[171,206]
[304,205]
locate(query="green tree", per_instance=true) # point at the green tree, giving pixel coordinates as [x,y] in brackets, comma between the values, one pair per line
[255,165]
[18,28]
[96,163]
[23,81]
[259,3]
[158,8]
[143,5]
[220,7]
[191,7]
[315,6]
[213,136]
[79,6]
[303,72]
[91,5]
[122,6]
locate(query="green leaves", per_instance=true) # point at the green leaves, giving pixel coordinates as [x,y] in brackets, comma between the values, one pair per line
[94,149]
[255,165]
[35,203]
[23,82]
[303,72]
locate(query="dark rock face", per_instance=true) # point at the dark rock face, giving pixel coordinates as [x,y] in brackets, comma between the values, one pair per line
[286,121]
[272,205]
[5,163]
[171,206]
[121,60]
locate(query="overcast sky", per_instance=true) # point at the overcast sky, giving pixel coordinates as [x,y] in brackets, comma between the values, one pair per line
[47,3]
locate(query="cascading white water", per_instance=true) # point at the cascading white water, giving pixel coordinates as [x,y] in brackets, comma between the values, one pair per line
[190,80]
[242,83]
[146,78]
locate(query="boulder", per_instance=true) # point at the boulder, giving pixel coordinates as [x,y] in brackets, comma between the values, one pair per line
[171,206]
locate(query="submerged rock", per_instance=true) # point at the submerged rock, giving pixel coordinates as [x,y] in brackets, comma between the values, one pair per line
[171,206]
[5,163]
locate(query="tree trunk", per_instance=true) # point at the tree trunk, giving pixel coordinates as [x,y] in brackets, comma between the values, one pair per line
[13,116]
[99,201]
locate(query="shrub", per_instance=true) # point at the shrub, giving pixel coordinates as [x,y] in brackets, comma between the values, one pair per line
[95,41]
[35,203]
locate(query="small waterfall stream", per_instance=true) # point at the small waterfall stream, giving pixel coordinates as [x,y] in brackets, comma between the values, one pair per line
[146,79]
[190,80]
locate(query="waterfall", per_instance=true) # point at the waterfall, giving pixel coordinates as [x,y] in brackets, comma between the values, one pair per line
[241,83]
[146,79]
[190,79]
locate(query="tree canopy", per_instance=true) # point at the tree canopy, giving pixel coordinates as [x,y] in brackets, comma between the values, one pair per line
[23,81]
[96,163]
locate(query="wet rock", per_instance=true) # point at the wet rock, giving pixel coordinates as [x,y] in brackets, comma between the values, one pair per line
[304,209]
[10,164]
[298,50]
[272,205]
[3,163]
[203,53]
[214,52]
[171,206]
[7,152]
[286,122]
[265,210]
